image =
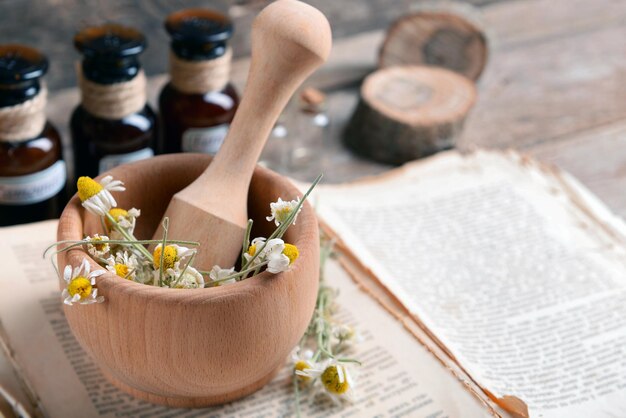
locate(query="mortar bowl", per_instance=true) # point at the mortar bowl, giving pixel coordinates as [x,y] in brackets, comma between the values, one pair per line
[193,347]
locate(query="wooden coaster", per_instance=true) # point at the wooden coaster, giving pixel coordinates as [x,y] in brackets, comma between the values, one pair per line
[409,112]
[435,37]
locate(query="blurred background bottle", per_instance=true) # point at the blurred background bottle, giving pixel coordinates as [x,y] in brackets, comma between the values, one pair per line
[32,171]
[113,124]
[199,102]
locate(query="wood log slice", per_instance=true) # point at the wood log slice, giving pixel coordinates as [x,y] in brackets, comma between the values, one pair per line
[409,112]
[438,38]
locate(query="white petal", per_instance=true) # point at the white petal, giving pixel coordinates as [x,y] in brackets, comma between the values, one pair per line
[107,199]
[340,374]
[258,240]
[67,273]
[278,264]
[85,267]
[115,186]
[97,273]
[93,208]
[106,180]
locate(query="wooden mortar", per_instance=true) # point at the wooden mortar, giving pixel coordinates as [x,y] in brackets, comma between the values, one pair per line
[193,347]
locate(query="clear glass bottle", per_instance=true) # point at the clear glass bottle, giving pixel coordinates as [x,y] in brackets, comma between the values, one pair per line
[275,153]
[198,104]
[113,124]
[308,148]
[32,171]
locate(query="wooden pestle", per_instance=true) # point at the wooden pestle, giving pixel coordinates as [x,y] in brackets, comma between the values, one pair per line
[290,39]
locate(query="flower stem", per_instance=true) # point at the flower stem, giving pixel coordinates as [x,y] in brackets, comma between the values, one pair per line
[129,237]
[231,276]
[182,273]
[165,224]
[297,393]
[246,241]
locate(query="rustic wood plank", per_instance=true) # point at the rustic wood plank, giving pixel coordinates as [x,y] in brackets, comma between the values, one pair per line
[597,158]
[522,22]
[550,89]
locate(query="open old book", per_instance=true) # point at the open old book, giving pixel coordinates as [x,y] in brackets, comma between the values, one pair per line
[484,285]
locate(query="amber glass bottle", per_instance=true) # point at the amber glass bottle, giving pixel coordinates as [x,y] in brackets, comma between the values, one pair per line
[198,103]
[32,170]
[113,124]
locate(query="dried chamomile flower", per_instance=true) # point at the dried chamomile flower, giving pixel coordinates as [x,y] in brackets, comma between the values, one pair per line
[124,264]
[183,278]
[304,368]
[97,246]
[255,246]
[219,275]
[96,197]
[337,381]
[292,253]
[81,284]
[344,332]
[280,255]
[124,218]
[173,253]
[281,210]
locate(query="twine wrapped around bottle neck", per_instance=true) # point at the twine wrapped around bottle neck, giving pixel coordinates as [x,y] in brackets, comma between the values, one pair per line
[198,77]
[24,121]
[113,101]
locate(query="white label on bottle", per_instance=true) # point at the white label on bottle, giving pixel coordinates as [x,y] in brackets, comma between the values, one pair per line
[113,160]
[33,188]
[204,140]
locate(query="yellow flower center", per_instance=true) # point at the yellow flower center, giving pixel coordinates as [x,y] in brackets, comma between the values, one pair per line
[330,380]
[291,251]
[302,365]
[99,247]
[252,249]
[283,213]
[80,286]
[87,188]
[121,270]
[170,257]
[115,214]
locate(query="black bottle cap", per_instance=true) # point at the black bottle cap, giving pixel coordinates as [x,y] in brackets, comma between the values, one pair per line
[111,52]
[198,34]
[21,67]
[19,63]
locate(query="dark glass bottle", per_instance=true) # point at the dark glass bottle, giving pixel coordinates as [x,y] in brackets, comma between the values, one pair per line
[199,102]
[113,124]
[32,171]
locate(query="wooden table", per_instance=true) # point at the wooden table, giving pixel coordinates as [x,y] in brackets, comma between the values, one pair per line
[555,87]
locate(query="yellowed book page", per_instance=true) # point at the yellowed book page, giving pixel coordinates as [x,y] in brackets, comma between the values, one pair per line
[399,377]
[515,268]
